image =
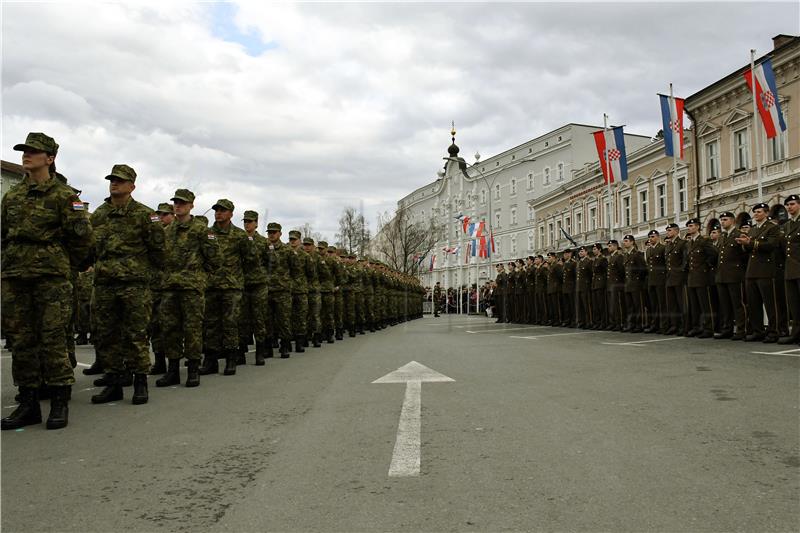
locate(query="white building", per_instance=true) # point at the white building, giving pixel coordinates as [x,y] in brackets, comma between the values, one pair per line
[498,190]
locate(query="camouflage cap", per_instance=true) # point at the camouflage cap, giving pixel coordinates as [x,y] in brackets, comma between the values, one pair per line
[223,203]
[322,244]
[274,226]
[331,249]
[183,195]
[122,172]
[308,240]
[250,215]
[294,234]
[341,251]
[165,208]
[39,142]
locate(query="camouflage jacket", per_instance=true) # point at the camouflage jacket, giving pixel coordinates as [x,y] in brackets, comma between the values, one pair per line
[129,243]
[325,273]
[44,230]
[254,271]
[300,270]
[313,279]
[339,274]
[235,251]
[83,286]
[191,254]
[279,261]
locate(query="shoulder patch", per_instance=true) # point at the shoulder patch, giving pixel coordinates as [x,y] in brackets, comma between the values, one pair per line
[212,236]
[154,218]
[250,237]
[78,206]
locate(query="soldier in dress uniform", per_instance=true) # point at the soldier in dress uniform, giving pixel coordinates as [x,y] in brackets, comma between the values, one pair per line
[570,267]
[511,292]
[729,279]
[599,282]
[437,299]
[760,243]
[499,293]
[616,287]
[583,289]
[520,288]
[655,259]
[714,233]
[555,281]
[701,258]
[675,252]
[635,284]
[530,289]
[791,232]
[778,215]
[542,304]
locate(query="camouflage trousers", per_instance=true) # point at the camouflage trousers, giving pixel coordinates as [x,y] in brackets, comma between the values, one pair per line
[253,320]
[349,304]
[314,309]
[123,314]
[338,309]
[359,309]
[299,313]
[327,320]
[154,330]
[221,321]
[181,323]
[279,313]
[83,323]
[369,309]
[35,318]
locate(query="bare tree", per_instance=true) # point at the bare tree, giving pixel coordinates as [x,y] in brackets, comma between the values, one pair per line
[354,234]
[306,230]
[403,242]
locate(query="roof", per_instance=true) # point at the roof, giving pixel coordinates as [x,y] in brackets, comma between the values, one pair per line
[13,168]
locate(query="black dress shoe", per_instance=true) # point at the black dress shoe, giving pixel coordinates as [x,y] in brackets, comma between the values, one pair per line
[692,333]
[755,337]
[705,335]
[737,337]
[791,339]
[770,340]
[671,331]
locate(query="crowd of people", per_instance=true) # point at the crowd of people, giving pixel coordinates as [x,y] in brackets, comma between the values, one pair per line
[127,277]
[718,285]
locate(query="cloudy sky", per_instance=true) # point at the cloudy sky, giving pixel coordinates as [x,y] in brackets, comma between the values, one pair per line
[298,110]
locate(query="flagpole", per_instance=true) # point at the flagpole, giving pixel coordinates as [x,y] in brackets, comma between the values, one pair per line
[608,177]
[675,196]
[756,129]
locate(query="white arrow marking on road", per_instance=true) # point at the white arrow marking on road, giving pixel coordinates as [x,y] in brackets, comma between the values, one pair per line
[502,330]
[537,337]
[641,343]
[784,352]
[406,455]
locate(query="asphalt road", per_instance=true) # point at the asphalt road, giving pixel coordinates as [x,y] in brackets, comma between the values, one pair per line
[543,429]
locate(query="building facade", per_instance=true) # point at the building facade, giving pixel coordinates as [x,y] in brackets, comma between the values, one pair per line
[11,174]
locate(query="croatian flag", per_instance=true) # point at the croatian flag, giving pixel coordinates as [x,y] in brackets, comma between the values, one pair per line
[766,92]
[672,121]
[612,142]
[473,250]
[465,223]
[475,230]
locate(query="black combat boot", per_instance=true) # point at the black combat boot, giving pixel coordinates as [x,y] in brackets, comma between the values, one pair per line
[27,412]
[299,343]
[286,347]
[140,389]
[112,391]
[160,366]
[210,364]
[230,363]
[172,375]
[59,407]
[126,378]
[261,349]
[93,370]
[193,373]
[316,340]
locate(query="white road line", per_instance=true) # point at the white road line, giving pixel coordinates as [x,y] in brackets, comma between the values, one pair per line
[460,324]
[502,330]
[537,337]
[791,353]
[640,343]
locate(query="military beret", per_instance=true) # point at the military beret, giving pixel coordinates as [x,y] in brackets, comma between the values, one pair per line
[598,245]
[653,232]
[38,142]
[746,223]
[294,234]
[673,226]
[691,221]
[726,214]
[122,172]
[713,227]
[223,203]
[322,244]
[762,205]
[308,240]
[629,238]
[274,226]
[585,248]
[165,208]
[613,241]
[791,198]
[183,195]
[250,215]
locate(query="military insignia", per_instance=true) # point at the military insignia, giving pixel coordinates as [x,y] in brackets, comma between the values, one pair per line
[154,218]
[249,237]
[78,206]
[212,236]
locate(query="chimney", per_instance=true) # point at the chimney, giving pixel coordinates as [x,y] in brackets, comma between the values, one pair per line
[781,39]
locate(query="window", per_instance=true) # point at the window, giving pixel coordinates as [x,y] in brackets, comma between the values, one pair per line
[483,196]
[514,216]
[592,218]
[497,219]
[776,147]
[608,217]
[643,206]
[513,245]
[530,181]
[513,186]
[560,175]
[740,151]
[682,193]
[498,243]
[712,161]
[422,214]
[530,212]
[530,241]
[546,176]
[661,193]
[579,222]
[626,210]
[550,233]
[497,192]
[568,224]
[541,237]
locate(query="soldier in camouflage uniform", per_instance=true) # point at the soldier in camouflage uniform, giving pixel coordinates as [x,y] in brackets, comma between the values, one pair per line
[254,303]
[279,262]
[224,291]
[129,245]
[314,296]
[166,214]
[301,269]
[368,284]
[45,235]
[191,255]
[327,285]
[349,282]
[339,280]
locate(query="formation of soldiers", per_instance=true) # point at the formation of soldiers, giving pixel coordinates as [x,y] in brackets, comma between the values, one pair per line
[130,277]
[716,285]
